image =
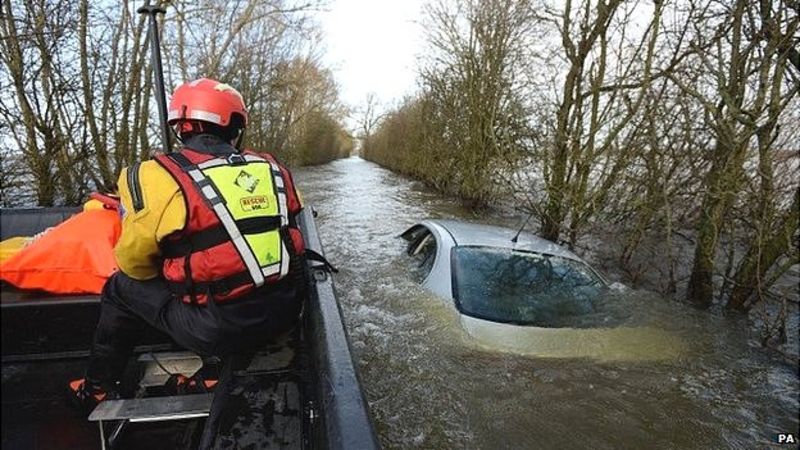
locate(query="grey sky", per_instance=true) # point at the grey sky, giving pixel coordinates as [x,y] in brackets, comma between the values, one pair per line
[371,46]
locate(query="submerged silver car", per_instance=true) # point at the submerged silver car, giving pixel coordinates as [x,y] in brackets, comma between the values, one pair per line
[527,295]
[492,276]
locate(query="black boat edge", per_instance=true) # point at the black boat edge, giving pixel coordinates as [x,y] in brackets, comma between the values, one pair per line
[344,412]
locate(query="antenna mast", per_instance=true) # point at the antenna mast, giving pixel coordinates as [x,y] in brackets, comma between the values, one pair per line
[516,236]
[158,73]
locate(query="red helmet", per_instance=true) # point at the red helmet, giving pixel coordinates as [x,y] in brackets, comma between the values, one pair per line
[206,100]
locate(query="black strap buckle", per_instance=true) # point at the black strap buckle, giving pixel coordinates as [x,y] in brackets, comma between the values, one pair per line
[236,159]
[326,266]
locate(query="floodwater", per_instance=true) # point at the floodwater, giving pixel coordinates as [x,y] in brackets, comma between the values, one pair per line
[666,377]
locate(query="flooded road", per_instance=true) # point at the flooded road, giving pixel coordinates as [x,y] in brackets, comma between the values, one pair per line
[430,385]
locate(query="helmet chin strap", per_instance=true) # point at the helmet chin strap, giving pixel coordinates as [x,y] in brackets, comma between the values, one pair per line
[176,133]
[239,140]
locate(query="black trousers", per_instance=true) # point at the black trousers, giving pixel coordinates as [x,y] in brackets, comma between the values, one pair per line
[239,326]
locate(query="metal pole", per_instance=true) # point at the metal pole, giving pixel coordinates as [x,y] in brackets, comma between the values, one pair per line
[158,72]
[102,435]
[116,432]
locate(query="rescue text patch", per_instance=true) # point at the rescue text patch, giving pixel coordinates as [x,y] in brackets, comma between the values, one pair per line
[254,202]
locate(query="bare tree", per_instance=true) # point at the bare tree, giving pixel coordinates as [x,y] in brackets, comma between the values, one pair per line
[743,98]
[368,120]
[42,97]
[474,114]
[78,104]
[598,119]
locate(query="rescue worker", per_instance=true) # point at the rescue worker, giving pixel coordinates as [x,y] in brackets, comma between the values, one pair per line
[209,252]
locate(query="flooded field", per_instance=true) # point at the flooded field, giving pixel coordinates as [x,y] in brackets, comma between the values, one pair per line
[664,377]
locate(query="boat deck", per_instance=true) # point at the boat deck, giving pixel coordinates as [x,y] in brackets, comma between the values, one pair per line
[36,416]
[265,405]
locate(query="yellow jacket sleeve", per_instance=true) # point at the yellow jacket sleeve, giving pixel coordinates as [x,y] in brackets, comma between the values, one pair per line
[161,211]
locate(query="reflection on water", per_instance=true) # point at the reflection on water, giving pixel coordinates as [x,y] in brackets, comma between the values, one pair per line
[601,344]
[432,385]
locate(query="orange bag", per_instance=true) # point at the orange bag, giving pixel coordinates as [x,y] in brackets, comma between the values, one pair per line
[75,257]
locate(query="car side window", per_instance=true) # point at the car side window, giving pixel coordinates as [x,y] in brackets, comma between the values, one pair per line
[422,250]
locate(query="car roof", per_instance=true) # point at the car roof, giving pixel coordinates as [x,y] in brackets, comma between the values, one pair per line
[466,233]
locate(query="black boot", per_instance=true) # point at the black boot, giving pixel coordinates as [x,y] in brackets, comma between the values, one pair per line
[85,395]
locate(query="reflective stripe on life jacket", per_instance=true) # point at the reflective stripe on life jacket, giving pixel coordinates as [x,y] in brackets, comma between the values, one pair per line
[238,234]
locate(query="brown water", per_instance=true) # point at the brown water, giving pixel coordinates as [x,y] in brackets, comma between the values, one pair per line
[429,385]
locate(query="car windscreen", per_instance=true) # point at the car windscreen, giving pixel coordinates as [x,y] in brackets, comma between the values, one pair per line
[526,288]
